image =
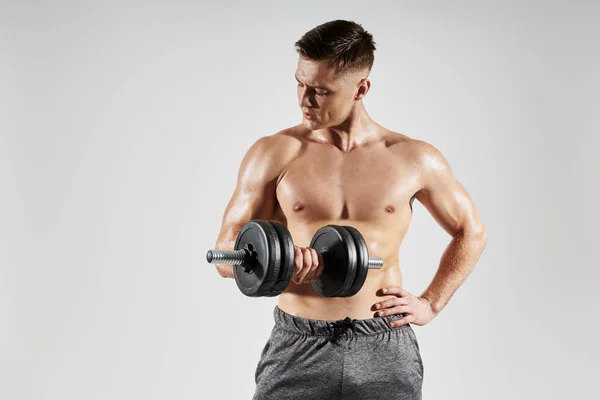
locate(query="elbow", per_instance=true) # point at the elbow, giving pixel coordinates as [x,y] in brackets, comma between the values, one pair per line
[226,271]
[481,235]
[476,232]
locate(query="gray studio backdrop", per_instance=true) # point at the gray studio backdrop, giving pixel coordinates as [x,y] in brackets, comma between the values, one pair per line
[122,127]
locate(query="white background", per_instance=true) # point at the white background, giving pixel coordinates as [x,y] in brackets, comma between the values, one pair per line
[122,127]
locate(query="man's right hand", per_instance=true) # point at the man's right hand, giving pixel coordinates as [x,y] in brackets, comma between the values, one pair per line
[308,265]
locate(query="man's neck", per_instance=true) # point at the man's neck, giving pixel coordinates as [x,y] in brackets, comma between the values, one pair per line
[357,130]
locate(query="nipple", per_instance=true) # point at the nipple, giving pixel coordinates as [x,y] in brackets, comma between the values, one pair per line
[298,206]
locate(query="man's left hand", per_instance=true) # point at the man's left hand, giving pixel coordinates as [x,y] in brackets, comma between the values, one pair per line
[416,310]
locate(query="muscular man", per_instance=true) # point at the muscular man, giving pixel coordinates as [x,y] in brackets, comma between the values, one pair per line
[340,167]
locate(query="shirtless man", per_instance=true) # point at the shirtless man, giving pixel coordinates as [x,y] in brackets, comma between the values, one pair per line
[340,167]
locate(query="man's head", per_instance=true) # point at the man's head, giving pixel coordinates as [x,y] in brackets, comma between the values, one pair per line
[333,68]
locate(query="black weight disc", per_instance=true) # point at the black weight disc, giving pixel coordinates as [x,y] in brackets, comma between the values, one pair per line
[339,254]
[261,238]
[286,269]
[362,261]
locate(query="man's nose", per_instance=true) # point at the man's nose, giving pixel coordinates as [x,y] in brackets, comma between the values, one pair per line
[304,98]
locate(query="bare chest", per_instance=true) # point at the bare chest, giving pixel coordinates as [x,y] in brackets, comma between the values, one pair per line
[361,185]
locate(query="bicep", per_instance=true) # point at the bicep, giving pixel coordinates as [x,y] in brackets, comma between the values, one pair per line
[443,196]
[254,195]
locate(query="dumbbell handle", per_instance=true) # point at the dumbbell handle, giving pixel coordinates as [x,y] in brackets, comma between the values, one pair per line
[238,257]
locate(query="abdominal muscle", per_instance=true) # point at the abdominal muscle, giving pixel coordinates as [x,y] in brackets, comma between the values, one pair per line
[305,302]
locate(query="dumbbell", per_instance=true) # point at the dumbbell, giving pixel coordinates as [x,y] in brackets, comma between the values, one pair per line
[263,259]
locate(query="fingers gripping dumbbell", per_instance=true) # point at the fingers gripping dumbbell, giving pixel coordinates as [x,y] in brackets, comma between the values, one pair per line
[263,259]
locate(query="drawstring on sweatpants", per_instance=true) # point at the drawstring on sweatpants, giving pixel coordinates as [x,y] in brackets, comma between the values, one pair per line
[339,327]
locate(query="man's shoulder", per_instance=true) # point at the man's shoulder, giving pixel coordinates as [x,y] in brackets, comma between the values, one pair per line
[396,140]
[278,147]
[429,161]
[412,148]
[282,143]
[287,136]
[292,135]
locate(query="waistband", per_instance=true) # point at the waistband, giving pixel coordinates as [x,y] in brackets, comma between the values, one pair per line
[319,327]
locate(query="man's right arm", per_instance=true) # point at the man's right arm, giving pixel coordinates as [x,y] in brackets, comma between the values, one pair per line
[254,196]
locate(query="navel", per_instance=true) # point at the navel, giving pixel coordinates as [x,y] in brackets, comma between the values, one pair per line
[298,206]
[390,209]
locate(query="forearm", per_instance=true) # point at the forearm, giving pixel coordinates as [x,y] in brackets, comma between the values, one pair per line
[457,262]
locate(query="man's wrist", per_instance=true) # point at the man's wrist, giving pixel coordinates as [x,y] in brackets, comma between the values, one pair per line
[431,304]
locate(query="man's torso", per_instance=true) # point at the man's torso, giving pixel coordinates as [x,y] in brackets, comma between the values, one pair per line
[370,187]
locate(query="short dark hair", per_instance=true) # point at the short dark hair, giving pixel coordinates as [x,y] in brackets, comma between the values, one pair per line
[344,44]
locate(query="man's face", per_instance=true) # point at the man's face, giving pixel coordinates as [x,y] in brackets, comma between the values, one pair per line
[327,100]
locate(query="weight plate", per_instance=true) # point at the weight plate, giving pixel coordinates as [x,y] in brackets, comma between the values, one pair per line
[261,238]
[362,261]
[339,253]
[286,269]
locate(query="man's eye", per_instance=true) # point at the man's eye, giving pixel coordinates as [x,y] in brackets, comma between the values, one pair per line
[317,93]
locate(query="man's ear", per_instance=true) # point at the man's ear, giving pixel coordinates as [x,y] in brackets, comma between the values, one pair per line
[363,88]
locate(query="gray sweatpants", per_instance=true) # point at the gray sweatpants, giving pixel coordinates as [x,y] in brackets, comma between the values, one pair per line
[348,359]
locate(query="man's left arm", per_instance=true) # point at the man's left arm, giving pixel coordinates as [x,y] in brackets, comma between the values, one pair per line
[453,209]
